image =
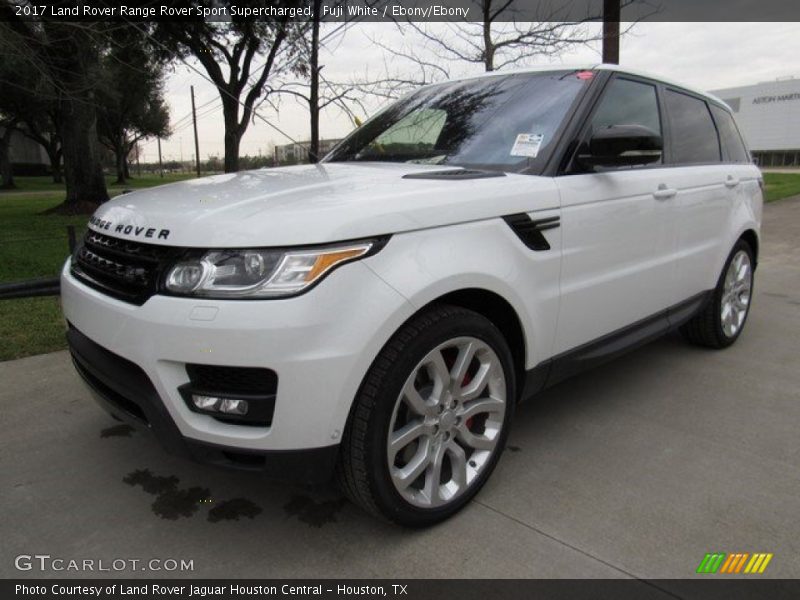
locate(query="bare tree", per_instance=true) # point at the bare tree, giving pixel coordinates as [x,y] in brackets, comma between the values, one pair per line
[228,52]
[501,39]
[313,89]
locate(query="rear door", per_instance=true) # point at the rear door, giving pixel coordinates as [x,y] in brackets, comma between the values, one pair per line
[742,178]
[703,201]
[617,228]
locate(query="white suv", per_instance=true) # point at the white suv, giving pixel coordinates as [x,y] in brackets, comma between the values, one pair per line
[378,316]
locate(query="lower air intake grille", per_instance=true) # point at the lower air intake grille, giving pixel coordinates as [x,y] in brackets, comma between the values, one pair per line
[233,380]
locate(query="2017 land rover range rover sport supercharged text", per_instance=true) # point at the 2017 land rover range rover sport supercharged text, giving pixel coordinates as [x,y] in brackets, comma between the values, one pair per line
[378,316]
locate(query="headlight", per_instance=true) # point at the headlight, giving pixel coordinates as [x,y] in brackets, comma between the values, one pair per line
[259,273]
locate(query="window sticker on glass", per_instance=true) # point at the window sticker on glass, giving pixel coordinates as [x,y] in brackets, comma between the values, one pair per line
[527,144]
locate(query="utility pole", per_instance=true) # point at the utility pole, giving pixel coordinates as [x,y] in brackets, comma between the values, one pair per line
[160,164]
[611,17]
[313,89]
[196,143]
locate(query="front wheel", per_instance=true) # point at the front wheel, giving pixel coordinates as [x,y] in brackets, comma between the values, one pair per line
[721,321]
[431,418]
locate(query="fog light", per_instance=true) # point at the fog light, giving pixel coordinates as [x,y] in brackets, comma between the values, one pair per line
[233,407]
[209,403]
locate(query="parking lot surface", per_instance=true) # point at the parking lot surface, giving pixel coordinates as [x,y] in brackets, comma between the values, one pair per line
[636,469]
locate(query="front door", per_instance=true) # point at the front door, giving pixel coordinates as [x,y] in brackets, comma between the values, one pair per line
[617,230]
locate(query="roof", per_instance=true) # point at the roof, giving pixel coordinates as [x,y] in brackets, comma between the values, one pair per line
[596,67]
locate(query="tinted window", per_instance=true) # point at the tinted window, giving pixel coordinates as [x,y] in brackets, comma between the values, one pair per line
[733,149]
[628,102]
[694,137]
[507,123]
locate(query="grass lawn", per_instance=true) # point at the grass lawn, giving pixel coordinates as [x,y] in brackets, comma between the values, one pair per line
[782,185]
[30,326]
[32,245]
[35,245]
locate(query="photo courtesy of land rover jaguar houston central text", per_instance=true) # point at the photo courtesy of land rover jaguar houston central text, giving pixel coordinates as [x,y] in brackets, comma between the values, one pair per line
[376,318]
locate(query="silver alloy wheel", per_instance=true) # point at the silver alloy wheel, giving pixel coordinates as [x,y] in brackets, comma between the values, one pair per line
[446,422]
[736,293]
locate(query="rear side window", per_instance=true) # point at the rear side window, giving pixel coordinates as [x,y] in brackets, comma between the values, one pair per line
[733,149]
[693,134]
[627,102]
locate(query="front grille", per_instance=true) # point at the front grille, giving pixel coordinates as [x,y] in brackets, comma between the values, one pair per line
[124,269]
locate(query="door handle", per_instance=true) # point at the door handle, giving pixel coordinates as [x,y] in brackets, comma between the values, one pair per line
[664,193]
[731,181]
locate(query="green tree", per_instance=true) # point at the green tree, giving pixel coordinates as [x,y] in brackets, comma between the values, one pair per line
[28,96]
[67,55]
[130,97]
[8,125]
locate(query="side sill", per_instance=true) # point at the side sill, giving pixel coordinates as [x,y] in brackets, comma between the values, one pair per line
[610,346]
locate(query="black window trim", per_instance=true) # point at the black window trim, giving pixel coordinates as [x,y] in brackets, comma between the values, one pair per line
[728,160]
[561,153]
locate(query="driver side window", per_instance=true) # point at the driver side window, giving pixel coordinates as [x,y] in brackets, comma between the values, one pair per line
[627,102]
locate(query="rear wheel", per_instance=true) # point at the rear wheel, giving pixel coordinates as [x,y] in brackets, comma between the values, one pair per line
[721,322]
[431,418]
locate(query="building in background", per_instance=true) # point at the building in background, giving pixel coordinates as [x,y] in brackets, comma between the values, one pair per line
[292,154]
[768,114]
[27,157]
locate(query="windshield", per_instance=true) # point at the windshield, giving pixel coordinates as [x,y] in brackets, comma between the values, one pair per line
[505,123]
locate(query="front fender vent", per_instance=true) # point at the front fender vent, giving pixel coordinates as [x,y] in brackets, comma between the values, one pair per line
[530,231]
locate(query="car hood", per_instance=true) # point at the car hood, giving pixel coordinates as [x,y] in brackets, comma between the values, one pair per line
[312,204]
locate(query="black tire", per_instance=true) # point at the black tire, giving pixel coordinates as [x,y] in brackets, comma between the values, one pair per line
[363,471]
[705,328]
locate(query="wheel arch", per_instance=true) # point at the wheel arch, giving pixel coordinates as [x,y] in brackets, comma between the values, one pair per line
[500,312]
[751,237]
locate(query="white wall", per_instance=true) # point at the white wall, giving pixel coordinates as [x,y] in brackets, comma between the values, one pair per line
[768,113]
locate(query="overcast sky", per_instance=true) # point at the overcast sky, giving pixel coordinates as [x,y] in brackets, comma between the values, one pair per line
[704,55]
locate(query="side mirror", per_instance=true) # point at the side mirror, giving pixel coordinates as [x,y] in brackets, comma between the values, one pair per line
[622,146]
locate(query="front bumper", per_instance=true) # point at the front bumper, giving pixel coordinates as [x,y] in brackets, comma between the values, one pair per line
[125,392]
[320,344]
